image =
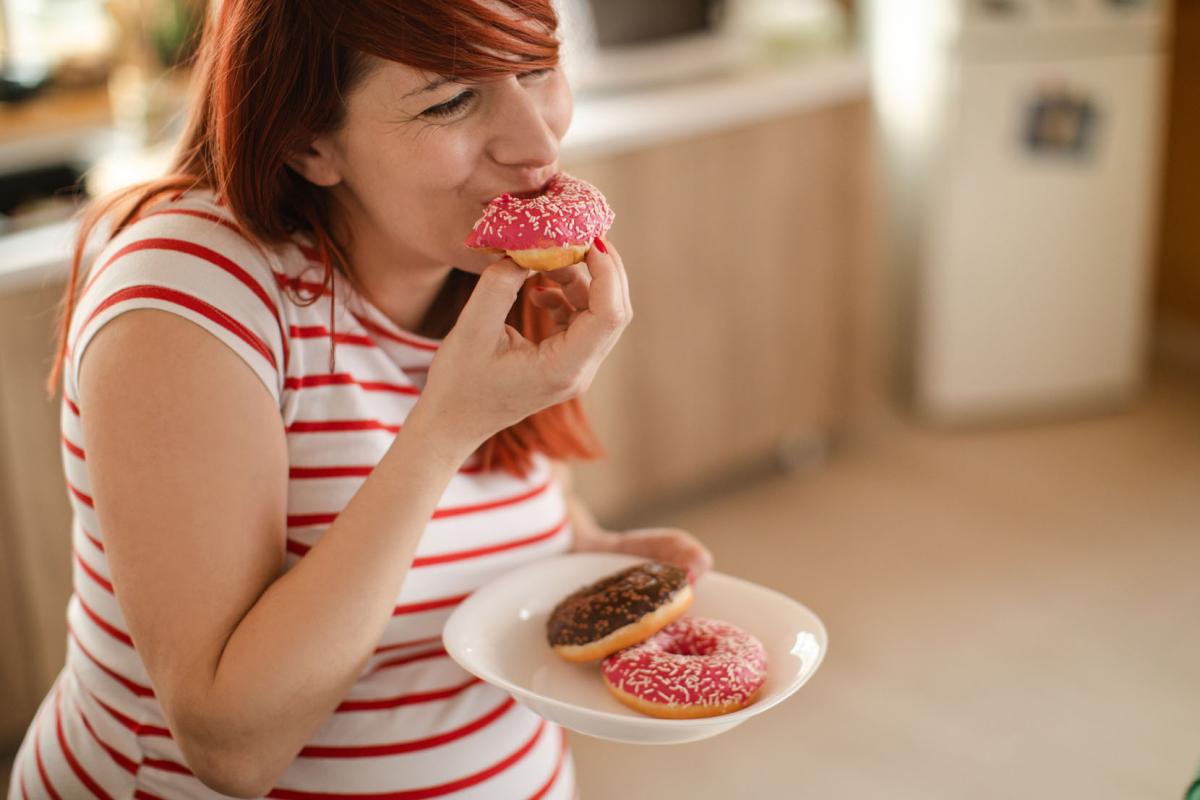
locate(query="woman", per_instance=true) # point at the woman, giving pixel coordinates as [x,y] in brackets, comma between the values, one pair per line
[261,577]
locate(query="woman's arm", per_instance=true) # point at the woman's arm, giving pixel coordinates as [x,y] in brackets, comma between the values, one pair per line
[188,465]
[191,492]
[586,534]
[669,545]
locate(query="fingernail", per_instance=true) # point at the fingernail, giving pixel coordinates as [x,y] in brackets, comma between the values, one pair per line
[600,245]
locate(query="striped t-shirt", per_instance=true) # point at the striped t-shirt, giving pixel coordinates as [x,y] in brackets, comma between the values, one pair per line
[414,725]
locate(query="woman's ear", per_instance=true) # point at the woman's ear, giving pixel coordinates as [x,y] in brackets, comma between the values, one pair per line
[317,163]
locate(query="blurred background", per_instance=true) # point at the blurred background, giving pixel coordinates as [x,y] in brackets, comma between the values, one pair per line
[918,343]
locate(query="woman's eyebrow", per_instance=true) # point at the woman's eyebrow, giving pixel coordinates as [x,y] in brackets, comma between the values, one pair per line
[429,87]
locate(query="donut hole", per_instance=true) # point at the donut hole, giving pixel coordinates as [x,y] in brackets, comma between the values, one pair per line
[682,646]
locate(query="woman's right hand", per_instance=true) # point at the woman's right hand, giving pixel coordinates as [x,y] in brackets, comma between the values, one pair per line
[486,376]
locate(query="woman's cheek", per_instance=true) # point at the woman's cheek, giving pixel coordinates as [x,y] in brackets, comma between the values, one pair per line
[561,105]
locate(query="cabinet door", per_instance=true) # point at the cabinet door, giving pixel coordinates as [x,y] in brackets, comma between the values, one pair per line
[18,688]
[742,249]
[35,519]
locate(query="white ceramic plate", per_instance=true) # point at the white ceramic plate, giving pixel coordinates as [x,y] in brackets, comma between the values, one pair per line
[499,634]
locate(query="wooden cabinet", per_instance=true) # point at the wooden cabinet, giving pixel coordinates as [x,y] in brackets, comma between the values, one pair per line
[749,255]
[35,516]
[1179,249]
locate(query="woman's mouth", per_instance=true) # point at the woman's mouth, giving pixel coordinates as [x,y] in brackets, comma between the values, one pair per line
[524,194]
[529,194]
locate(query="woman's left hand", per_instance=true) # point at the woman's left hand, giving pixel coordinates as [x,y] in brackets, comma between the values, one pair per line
[668,545]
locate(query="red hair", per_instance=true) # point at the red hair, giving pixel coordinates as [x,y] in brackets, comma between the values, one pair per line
[269,76]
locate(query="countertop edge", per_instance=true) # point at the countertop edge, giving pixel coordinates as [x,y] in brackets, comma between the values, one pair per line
[602,126]
[33,258]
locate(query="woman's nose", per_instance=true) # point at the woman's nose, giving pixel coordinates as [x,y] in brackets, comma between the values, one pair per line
[524,136]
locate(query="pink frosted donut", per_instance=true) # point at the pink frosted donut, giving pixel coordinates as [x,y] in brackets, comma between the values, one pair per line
[553,230]
[692,668]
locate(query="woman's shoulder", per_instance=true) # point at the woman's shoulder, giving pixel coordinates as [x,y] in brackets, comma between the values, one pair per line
[192,235]
[191,223]
[200,216]
[187,255]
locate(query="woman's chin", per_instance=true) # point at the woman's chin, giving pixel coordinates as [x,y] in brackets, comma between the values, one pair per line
[475,261]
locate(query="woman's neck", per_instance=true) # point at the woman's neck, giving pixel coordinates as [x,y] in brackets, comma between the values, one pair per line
[405,299]
[397,284]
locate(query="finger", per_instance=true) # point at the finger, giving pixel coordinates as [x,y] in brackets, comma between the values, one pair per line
[616,255]
[493,297]
[575,282]
[552,300]
[594,330]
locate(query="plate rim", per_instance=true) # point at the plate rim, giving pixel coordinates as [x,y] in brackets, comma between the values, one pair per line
[646,721]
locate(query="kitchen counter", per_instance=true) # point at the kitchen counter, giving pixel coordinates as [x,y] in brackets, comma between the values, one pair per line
[606,125]
[602,126]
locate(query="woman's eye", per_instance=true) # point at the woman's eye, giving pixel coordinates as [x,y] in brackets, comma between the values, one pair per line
[451,106]
[463,99]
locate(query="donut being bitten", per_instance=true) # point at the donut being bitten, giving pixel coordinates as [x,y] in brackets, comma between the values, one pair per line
[692,668]
[552,230]
[617,611]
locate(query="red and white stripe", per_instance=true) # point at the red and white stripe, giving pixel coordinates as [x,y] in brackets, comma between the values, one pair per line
[413,725]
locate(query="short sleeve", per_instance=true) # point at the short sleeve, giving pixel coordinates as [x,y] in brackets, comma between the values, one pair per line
[192,261]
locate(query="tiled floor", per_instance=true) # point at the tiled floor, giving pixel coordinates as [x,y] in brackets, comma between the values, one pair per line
[1012,615]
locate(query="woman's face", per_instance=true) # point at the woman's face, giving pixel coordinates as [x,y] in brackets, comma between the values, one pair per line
[418,157]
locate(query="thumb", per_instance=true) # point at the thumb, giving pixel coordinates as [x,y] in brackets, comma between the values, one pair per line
[493,296]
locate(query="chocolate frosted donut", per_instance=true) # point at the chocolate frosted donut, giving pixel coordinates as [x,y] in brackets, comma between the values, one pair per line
[617,611]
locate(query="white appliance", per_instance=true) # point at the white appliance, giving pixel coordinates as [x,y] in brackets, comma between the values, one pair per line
[621,46]
[1022,148]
